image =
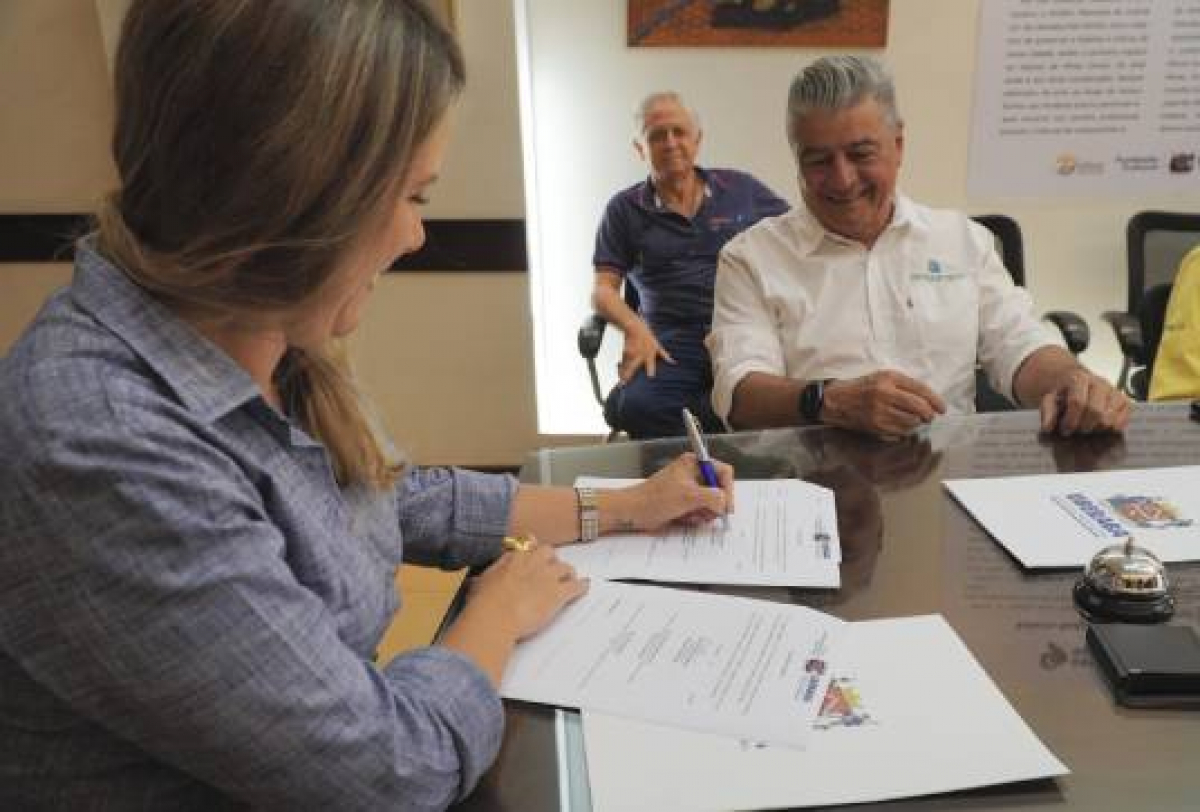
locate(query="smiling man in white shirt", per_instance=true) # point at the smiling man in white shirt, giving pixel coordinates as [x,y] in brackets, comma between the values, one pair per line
[866,310]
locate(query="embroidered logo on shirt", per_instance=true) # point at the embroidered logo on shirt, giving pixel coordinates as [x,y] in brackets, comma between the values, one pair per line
[937,271]
[720,221]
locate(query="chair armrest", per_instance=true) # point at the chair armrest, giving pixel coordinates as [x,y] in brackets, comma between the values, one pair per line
[1129,334]
[1139,384]
[1074,329]
[591,335]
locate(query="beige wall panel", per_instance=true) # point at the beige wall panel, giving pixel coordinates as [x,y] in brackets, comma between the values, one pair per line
[57,110]
[482,176]
[23,289]
[445,358]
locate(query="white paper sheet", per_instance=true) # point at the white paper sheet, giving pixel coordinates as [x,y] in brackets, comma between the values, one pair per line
[783,532]
[706,662]
[1062,520]
[913,714]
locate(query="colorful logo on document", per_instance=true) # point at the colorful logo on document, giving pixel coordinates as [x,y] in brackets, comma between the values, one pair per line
[842,707]
[1095,517]
[1147,512]
[814,669]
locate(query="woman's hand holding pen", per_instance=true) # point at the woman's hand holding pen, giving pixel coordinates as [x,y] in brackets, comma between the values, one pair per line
[677,493]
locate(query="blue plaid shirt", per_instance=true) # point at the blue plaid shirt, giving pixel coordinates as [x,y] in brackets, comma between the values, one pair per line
[188,602]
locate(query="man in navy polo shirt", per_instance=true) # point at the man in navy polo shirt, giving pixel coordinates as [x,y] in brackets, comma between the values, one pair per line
[663,236]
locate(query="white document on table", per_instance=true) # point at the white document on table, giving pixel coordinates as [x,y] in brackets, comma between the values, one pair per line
[702,661]
[910,712]
[783,532]
[1062,520]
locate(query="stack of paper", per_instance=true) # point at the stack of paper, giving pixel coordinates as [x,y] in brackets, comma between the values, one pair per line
[782,533]
[705,662]
[909,713]
[754,703]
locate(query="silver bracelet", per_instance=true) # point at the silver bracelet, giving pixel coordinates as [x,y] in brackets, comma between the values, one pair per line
[589,514]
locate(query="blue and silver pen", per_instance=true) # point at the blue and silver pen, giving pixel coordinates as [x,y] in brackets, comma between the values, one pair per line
[707,470]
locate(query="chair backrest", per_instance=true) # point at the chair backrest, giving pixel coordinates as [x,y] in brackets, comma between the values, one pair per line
[1007,234]
[1156,242]
[1151,315]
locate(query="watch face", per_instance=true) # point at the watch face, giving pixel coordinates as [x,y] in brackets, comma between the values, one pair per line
[810,401]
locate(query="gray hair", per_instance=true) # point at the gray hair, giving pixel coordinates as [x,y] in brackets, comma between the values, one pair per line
[838,83]
[643,109]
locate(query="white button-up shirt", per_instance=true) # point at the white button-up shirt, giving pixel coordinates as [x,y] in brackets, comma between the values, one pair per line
[929,299]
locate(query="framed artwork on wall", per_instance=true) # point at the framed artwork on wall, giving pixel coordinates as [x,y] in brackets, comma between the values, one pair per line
[783,23]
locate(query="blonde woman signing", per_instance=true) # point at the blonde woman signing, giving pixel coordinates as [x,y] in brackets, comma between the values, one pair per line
[200,525]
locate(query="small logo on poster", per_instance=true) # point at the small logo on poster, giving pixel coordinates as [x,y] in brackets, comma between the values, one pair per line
[1139,163]
[1183,162]
[1068,163]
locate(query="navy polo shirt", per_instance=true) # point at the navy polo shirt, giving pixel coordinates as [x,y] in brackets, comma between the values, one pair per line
[672,260]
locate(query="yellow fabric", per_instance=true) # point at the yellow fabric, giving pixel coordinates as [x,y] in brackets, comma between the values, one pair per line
[1177,365]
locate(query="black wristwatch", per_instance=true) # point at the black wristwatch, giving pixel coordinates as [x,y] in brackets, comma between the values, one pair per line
[812,400]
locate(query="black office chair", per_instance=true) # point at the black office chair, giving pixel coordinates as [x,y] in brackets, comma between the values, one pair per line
[1011,246]
[590,337]
[1155,244]
[1152,313]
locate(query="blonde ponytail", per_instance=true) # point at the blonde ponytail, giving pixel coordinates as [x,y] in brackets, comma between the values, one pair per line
[319,389]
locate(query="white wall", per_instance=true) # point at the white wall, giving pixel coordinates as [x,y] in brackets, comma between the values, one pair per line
[584,81]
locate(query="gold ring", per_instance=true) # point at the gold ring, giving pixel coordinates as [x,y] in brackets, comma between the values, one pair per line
[518,544]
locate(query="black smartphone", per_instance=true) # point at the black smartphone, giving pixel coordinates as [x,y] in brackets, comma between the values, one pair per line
[1148,666]
[1195,411]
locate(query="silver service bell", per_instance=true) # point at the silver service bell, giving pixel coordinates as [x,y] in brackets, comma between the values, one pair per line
[1126,583]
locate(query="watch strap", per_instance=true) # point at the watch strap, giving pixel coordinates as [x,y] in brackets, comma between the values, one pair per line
[589,514]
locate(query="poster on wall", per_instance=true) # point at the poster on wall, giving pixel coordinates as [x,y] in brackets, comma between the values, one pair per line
[789,23]
[1086,97]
